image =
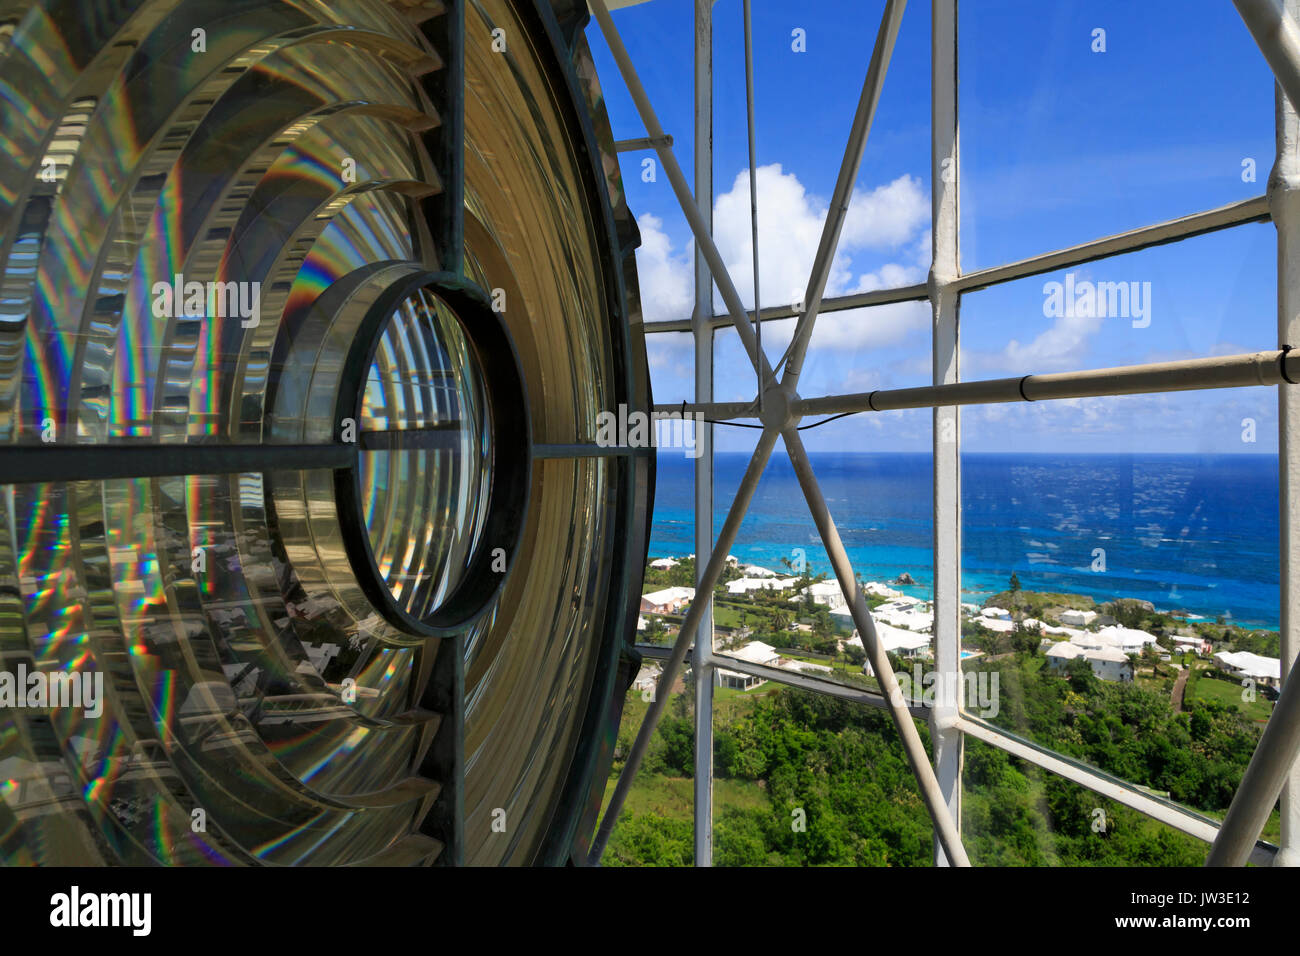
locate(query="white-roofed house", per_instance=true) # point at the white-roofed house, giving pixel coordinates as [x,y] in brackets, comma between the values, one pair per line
[996,613]
[1061,653]
[1066,632]
[882,590]
[895,640]
[1192,642]
[903,603]
[998,625]
[755,652]
[824,592]
[647,677]
[748,585]
[1108,663]
[792,665]
[667,601]
[664,564]
[912,615]
[755,571]
[1125,639]
[1262,670]
[1075,618]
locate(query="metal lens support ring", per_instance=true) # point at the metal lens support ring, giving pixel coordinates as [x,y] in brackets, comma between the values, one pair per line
[510,467]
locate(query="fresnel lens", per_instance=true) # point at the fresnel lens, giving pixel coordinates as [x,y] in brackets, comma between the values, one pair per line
[307,552]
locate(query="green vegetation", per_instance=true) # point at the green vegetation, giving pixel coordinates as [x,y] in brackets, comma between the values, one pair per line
[779,751]
[682,575]
[995,643]
[1263,643]
[1015,814]
[1129,731]
[788,751]
[805,779]
[1039,603]
[1227,692]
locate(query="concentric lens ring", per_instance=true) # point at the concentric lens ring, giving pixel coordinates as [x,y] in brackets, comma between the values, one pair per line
[477,427]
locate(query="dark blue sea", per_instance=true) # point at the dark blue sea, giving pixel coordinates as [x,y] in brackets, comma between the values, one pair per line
[1191,533]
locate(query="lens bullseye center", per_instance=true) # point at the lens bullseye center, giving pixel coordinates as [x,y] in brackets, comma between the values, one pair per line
[426,476]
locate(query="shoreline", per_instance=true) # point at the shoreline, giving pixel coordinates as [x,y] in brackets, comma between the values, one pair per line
[923,590]
[1186,532]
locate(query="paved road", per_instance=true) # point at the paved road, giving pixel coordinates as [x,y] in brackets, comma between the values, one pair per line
[1176,695]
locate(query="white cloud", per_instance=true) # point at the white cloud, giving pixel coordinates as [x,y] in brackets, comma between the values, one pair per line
[664,275]
[671,356]
[789,229]
[790,224]
[1061,347]
[855,329]
[665,280]
[886,217]
[891,216]
[1204,422]
[924,250]
[889,276]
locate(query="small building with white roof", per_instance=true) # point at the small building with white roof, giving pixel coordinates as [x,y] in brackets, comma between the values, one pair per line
[1244,664]
[749,585]
[1127,640]
[667,600]
[827,593]
[909,614]
[895,640]
[1192,642]
[1076,618]
[647,678]
[1108,663]
[877,589]
[755,652]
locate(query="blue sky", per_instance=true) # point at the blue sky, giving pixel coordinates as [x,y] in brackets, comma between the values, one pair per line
[1059,144]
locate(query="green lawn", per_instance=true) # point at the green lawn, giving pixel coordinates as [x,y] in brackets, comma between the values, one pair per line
[726,615]
[840,668]
[1033,665]
[721,694]
[1207,688]
[673,796]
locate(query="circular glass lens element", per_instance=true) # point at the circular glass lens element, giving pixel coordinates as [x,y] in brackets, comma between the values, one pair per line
[426,462]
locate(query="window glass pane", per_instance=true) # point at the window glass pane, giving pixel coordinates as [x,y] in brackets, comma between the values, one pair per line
[672,366]
[1121,603]
[669,584]
[1017,814]
[1212,295]
[805,102]
[656,825]
[808,780]
[1073,143]
[660,39]
[780,604]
